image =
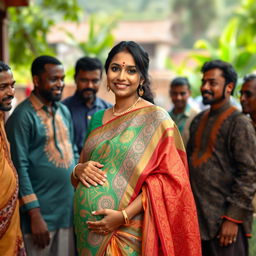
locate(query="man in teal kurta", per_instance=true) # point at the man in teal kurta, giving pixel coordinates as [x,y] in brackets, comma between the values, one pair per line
[40,132]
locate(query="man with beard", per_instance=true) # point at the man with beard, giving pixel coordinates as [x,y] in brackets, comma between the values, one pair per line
[84,103]
[221,152]
[248,102]
[41,139]
[182,112]
[248,97]
[11,242]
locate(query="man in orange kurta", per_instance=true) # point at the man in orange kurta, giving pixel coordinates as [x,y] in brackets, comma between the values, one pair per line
[11,243]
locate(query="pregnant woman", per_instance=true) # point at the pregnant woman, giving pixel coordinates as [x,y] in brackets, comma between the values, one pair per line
[133,195]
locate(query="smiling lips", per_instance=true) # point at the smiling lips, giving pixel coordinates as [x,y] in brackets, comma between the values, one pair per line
[57,90]
[120,86]
[8,100]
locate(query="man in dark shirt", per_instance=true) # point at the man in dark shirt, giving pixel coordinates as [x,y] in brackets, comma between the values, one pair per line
[221,152]
[84,103]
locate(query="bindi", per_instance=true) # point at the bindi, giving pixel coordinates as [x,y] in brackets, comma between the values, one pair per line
[123,64]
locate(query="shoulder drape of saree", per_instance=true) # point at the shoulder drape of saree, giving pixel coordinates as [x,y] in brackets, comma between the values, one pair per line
[170,220]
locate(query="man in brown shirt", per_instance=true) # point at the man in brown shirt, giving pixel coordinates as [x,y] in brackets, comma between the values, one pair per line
[221,152]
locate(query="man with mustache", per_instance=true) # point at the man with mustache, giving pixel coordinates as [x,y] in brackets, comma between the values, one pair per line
[41,139]
[11,242]
[248,102]
[84,103]
[248,97]
[221,152]
[182,112]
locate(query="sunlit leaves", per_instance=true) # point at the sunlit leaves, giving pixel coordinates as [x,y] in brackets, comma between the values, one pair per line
[28,28]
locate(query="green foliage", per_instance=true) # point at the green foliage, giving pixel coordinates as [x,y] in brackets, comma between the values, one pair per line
[132,10]
[69,9]
[28,28]
[100,37]
[236,44]
[199,18]
[183,69]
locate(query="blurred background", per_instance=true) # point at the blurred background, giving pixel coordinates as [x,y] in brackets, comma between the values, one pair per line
[179,35]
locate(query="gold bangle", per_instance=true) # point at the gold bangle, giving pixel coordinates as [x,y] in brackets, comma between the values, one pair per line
[73,172]
[126,219]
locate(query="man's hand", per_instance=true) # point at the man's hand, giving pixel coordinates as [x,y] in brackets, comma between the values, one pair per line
[228,233]
[39,229]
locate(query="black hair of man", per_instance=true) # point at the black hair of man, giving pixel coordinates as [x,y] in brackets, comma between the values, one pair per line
[179,81]
[249,77]
[227,69]
[88,64]
[4,67]
[38,65]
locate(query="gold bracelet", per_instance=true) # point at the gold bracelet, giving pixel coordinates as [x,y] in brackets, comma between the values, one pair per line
[126,219]
[73,172]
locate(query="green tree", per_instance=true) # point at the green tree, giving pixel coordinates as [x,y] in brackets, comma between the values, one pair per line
[100,38]
[199,18]
[236,44]
[28,28]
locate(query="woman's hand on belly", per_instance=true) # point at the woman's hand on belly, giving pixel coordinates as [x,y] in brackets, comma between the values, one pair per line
[112,221]
[89,173]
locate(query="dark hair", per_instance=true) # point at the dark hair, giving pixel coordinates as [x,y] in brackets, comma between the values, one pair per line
[38,64]
[88,64]
[249,77]
[178,81]
[228,70]
[141,60]
[4,67]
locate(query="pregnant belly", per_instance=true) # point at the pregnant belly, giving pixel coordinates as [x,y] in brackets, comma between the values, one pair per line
[87,200]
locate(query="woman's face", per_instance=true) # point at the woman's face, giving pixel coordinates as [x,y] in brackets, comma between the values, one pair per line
[123,77]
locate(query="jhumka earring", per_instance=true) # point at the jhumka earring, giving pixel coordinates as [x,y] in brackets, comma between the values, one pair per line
[141,90]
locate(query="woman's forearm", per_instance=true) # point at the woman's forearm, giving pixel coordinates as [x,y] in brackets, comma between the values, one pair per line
[135,207]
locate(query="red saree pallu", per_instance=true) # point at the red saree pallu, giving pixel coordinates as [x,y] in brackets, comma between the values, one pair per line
[142,152]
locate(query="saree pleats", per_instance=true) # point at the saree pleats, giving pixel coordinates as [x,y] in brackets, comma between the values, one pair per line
[142,152]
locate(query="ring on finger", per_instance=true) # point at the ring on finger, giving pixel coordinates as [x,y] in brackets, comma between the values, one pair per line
[230,241]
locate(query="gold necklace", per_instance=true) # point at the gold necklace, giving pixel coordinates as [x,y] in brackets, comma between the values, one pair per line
[127,110]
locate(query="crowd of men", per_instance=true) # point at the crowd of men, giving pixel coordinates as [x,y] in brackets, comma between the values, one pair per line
[46,136]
